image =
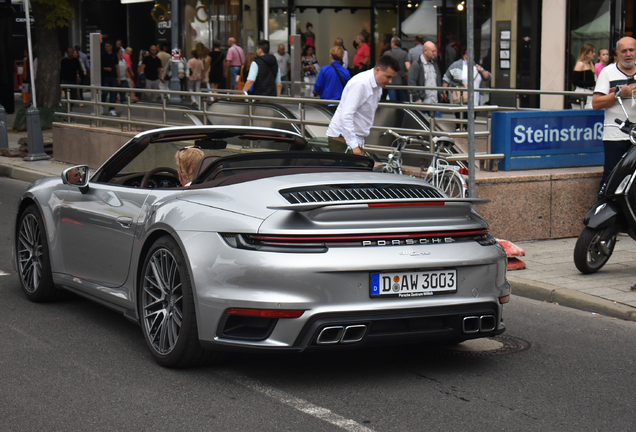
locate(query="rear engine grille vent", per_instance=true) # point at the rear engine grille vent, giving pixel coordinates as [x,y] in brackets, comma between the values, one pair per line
[354,192]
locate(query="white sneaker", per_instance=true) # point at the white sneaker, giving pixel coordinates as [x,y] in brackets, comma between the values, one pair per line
[112,113]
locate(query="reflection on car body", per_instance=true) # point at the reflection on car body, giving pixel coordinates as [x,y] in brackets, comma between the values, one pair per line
[273,246]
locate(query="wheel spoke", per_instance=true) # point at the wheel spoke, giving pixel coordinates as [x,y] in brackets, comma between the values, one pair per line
[30,253]
[162,301]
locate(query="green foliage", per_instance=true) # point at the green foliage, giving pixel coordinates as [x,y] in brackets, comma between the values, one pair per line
[57,12]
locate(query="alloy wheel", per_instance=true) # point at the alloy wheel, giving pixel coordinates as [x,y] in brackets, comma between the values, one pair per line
[30,253]
[162,301]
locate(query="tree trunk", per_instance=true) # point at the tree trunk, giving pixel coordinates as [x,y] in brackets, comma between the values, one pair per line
[47,81]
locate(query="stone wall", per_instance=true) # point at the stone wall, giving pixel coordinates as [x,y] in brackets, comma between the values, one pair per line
[85,145]
[538,206]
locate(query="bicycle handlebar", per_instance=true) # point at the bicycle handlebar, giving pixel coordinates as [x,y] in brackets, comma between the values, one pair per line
[408,139]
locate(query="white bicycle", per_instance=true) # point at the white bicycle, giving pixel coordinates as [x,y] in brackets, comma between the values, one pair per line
[440,173]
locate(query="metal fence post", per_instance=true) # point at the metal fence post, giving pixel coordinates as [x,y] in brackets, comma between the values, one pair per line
[302,119]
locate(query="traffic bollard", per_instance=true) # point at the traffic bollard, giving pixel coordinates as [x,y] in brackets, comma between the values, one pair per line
[35,140]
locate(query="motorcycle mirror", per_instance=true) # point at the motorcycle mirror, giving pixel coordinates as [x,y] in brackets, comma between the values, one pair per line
[617,92]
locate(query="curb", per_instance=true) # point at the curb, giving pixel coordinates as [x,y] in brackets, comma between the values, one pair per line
[570,298]
[22,174]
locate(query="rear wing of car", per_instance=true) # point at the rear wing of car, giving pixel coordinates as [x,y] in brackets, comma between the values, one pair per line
[304,207]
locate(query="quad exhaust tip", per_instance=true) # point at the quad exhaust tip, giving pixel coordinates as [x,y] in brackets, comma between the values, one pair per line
[341,334]
[479,324]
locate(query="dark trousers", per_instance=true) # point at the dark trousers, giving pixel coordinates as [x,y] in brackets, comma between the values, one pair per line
[398,95]
[614,151]
[123,95]
[74,93]
[110,82]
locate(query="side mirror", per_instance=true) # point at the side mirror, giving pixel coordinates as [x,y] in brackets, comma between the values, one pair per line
[77,176]
[617,92]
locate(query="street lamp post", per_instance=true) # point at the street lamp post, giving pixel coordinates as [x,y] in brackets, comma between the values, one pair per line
[35,140]
[471,98]
[175,84]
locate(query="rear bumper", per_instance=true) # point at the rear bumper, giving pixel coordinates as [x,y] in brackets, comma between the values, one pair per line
[388,327]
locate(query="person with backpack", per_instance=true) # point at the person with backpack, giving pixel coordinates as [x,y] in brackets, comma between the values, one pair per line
[332,79]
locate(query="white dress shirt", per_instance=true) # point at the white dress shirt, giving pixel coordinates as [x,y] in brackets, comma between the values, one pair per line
[354,117]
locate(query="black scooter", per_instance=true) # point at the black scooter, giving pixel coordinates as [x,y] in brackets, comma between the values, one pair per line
[614,212]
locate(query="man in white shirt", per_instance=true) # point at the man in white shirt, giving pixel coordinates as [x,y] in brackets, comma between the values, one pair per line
[354,117]
[615,142]
[282,58]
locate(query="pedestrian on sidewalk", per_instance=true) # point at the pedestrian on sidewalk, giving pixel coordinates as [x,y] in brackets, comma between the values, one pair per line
[615,142]
[332,79]
[153,71]
[310,68]
[234,59]
[401,78]
[110,76]
[71,72]
[264,74]
[353,119]
[194,80]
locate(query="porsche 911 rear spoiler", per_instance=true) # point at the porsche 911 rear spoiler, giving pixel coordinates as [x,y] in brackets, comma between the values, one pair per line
[304,207]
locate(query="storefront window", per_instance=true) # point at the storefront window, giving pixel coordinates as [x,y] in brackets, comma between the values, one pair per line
[588,22]
[208,21]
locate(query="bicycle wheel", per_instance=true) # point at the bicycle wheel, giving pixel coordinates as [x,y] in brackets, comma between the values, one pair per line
[451,183]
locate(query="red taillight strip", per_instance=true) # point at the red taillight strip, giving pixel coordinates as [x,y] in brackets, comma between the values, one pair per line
[367,236]
[266,313]
[403,204]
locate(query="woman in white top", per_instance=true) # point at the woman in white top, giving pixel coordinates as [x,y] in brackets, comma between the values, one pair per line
[123,66]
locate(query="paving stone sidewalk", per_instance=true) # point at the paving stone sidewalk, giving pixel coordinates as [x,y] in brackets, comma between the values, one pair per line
[551,275]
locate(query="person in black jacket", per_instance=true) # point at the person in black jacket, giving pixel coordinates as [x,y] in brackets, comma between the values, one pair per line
[264,73]
[71,72]
[110,75]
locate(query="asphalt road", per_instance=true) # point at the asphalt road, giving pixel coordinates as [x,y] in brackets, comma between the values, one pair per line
[73,365]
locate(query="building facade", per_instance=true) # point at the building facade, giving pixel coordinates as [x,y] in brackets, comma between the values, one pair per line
[526,44]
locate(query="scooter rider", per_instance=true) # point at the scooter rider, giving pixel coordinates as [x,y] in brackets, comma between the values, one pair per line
[621,73]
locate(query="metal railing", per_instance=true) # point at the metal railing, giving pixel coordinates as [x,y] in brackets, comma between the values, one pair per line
[516,92]
[97,119]
[447,111]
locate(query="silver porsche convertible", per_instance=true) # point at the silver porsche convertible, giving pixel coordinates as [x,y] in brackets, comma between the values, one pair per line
[277,244]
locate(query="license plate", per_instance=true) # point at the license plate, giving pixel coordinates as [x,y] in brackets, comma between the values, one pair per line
[413,284]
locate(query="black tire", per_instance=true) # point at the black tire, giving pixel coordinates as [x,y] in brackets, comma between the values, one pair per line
[33,258]
[166,308]
[590,255]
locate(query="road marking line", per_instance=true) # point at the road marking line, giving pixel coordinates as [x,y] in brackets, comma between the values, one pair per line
[298,404]
[3,273]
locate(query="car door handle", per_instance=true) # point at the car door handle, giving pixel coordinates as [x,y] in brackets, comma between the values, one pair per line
[125,221]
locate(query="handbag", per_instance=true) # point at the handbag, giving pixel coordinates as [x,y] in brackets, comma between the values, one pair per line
[458,94]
